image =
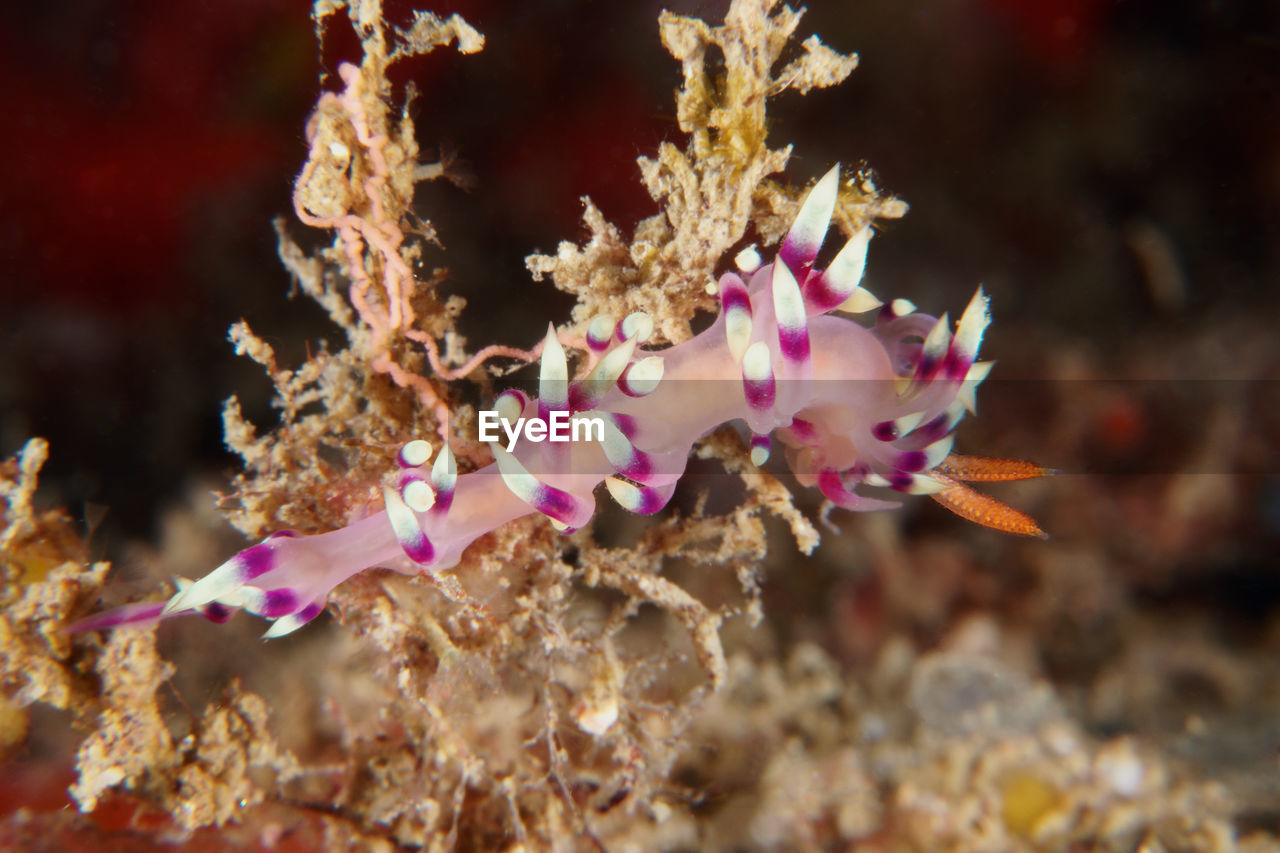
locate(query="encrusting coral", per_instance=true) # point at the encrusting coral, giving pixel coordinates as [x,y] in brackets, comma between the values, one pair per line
[515,682]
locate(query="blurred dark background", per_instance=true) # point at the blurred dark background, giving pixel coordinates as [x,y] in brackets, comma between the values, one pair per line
[1110,169]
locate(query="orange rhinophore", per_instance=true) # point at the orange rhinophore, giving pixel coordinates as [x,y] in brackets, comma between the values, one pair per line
[983,509]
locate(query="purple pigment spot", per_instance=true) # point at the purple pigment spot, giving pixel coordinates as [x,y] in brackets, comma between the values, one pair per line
[794,343]
[933,430]
[820,294]
[598,344]
[419,549]
[216,612]
[255,561]
[735,297]
[901,481]
[444,500]
[626,424]
[804,431]
[407,477]
[279,602]
[651,500]
[927,366]
[639,468]
[957,367]
[555,503]
[913,460]
[624,381]
[760,395]
[885,431]
[797,257]
[309,612]
[830,485]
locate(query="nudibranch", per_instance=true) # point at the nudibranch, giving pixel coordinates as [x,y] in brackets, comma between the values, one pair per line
[853,406]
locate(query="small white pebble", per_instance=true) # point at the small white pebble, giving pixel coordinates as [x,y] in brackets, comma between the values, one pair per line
[598,717]
[1121,770]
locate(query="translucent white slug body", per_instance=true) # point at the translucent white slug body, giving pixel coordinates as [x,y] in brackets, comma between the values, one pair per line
[852,406]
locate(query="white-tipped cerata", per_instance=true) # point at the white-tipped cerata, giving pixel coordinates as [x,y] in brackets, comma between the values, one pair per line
[934,349]
[758,382]
[839,283]
[418,495]
[897,428]
[522,484]
[860,302]
[641,378]
[553,375]
[788,309]
[510,404]
[404,524]
[603,376]
[642,500]
[759,450]
[554,503]
[628,495]
[939,450]
[637,325]
[967,395]
[414,453]
[232,600]
[736,304]
[623,455]
[600,333]
[293,621]
[805,237]
[923,484]
[973,322]
[444,473]
[223,583]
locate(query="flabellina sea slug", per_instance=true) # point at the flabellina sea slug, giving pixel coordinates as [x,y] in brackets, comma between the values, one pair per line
[853,407]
